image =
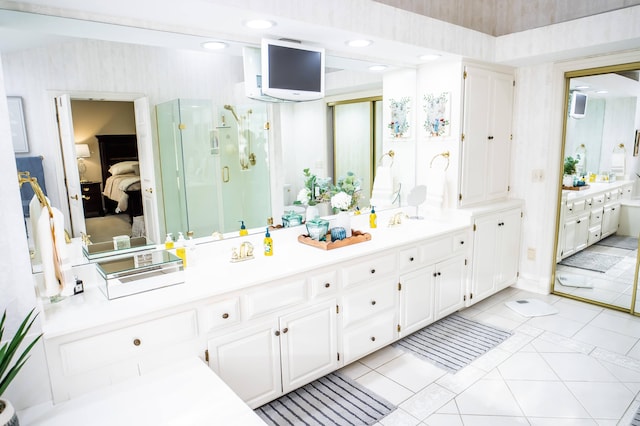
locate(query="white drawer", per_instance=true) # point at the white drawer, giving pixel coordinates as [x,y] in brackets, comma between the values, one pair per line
[594,235]
[369,269]
[220,314]
[107,348]
[461,242]
[598,200]
[579,206]
[409,259]
[274,297]
[370,336]
[324,283]
[367,302]
[595,217]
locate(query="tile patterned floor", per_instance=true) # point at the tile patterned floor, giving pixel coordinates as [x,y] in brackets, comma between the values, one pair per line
[578,367]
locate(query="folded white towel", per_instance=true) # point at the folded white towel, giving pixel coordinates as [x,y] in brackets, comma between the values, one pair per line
[618,163]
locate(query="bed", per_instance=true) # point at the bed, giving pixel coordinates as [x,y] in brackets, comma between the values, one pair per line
[120,174]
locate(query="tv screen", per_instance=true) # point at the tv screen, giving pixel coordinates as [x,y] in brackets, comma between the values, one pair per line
[292,71]
[578,107]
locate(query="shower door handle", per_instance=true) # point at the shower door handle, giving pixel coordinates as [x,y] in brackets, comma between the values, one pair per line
[225,174]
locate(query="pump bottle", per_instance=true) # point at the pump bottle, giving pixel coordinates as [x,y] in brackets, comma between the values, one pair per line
[268,244]
[243,229]
[373,218]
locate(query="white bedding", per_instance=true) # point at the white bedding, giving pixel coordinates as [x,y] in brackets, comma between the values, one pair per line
[115,187]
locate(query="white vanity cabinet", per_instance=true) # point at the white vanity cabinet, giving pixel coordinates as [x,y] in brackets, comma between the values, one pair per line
[266,359]
[98,357]
[610,218]
[486,141]
[575,235]
[496,253]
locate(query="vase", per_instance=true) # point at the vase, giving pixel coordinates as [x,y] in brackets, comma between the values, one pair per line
[343,220]
[567,180]
[311,213]
[8,416]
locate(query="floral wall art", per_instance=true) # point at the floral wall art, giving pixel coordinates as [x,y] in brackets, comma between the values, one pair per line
[399,125]
[438,113]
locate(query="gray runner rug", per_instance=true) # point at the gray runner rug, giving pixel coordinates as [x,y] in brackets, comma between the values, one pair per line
[453,342]
[619,241]
[636,419]
[331,400]
[591,261]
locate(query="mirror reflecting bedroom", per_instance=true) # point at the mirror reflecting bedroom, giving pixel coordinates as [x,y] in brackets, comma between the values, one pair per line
[107,157]
[599,212]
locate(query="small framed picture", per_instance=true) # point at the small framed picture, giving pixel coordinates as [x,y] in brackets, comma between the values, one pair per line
[18,128]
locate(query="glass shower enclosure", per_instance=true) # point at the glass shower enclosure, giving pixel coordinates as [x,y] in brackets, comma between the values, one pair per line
[214,162]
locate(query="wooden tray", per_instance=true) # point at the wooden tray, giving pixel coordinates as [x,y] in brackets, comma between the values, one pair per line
[355,238]
[576,188]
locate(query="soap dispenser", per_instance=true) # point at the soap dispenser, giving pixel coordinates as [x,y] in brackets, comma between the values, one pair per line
[373,218]
[168,242]
[268,244]
[181,251]
[243,229]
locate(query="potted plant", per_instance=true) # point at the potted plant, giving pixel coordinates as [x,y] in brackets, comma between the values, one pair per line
[569,171]
[9,370]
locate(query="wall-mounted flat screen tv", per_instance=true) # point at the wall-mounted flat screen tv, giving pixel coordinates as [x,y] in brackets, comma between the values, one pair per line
[292,71]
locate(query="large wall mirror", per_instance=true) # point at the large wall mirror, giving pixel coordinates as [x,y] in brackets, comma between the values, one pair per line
[599,199]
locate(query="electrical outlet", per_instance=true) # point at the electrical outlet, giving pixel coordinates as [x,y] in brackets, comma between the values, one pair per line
[537,175]
[531,253]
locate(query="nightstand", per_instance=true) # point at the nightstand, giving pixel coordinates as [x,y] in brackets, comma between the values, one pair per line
[92,199]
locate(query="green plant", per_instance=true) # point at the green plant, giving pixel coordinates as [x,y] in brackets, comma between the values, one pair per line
[570,165]
[8,350]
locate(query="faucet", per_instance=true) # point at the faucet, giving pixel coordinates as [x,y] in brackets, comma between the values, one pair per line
[396,219]
[244,252]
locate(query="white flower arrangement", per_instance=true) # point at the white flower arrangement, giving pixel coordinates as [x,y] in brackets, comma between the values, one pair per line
[341,201]
[304,196]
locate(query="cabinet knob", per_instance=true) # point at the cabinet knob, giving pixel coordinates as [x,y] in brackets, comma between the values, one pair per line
[411,259]
[327,285]
[578,221]
[461,242]
[285,330]
[277,333]
[490,138]
[225,315]
[373,302]
[435,274]
[373,271]
[439,273]
[373,338]
[137,342]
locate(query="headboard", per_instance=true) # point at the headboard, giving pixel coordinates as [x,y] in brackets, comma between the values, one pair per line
[114,149]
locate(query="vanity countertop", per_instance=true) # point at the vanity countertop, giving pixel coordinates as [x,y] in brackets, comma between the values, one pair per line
[594,188]
[212,273]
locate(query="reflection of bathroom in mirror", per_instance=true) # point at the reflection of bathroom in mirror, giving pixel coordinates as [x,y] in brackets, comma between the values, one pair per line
[599,221]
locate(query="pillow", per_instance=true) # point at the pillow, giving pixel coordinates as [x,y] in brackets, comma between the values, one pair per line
[123,167]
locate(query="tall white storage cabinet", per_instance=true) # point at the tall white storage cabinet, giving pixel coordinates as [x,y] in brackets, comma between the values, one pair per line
[486,135]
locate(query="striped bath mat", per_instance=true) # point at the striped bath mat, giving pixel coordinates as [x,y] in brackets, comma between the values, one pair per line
[453,342]
[331,400]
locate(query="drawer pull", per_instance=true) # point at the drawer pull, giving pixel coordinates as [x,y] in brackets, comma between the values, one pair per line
[435,274]
[327,285]
[225,315]
[373,338]
[439,274]
[461,242]
[411,259]
[285,330]
[137,342]
[277,333]
[373,302]
[373,271]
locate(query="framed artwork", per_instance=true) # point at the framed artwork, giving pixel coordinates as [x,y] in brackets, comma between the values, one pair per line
[438,113]
[636,144]
[399,125]
[16,121]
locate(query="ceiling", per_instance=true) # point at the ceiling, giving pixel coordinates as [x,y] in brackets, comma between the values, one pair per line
[32,23]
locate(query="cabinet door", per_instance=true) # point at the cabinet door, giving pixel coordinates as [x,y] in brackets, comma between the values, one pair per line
[507,253]
[449,286]
[249,362]
[309,345]
[416,299]
[569,237]
[499,136]
[477,88]
[582,232]
[484,257]
[610,219]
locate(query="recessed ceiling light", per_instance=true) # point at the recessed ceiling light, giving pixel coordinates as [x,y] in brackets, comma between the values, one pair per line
[602,92]
[259,24]
[377,67]
[359,43]
[214,45]
[429,57]
[582,87]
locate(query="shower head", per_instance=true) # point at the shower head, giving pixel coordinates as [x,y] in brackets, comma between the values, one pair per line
[230,108]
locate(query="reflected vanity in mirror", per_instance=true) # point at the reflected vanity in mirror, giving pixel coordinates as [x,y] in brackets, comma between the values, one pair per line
[597,235]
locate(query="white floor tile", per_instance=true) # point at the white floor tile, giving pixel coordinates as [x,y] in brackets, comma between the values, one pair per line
[411,372]
[565,342]
[627,325]
[555,323]
[621,373]
[354,370]
[386,388]
[602,400]
[493,420]
[460,381]
[399,417]
[541,345]
[427,401]
[474,400]
[526,366]
[449,408]
[516,342]
[491,359]
[634,352]
[498,321]
[576,311]
[578,367]
[528,329]
[443,420]
[606,339]
[546,399]
[381,356]
[542,421]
